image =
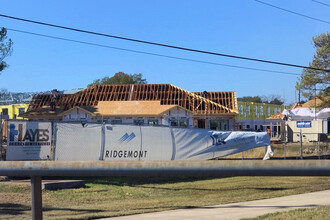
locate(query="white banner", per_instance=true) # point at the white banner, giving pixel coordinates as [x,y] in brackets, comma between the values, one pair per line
[130,142]
[28,140]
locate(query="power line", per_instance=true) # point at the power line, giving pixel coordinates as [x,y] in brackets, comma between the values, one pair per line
[162,45]
[148,53]
[322,3]
[296,13]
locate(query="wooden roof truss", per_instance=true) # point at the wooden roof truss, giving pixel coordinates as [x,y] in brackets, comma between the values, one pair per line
[167,94]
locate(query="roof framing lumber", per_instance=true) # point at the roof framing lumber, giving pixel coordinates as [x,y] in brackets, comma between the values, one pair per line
[167,94]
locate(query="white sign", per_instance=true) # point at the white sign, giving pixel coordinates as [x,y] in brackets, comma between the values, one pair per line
[28,140]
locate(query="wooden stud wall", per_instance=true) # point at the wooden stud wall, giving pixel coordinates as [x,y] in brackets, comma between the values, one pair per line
[167,94]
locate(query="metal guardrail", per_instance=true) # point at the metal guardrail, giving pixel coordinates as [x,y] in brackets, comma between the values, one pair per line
[211,168]
[36,169]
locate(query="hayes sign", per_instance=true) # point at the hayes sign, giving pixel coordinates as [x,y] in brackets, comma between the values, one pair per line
[28,140]
[18,136]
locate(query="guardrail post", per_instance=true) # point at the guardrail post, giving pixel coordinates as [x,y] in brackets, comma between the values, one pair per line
[36,197]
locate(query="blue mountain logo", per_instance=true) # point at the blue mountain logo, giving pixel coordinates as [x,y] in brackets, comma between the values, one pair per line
[127,138]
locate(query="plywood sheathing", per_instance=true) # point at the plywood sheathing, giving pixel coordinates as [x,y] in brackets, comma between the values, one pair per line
[167,94]
[132,108]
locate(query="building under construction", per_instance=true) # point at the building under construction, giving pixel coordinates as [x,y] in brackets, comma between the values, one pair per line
[141,104]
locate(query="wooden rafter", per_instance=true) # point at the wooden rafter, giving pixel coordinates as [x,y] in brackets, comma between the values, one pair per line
[167,94]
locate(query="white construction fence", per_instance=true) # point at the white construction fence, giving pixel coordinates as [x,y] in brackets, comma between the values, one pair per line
[27,140]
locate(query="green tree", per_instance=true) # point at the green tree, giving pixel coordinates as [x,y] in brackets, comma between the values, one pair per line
[276,101]
[120,78]
[272,99]
[5,48]
[316,82]
[256,99]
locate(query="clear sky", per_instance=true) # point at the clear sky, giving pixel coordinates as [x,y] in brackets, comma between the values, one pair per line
[236,27]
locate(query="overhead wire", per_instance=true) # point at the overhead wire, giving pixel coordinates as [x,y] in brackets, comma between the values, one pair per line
[161,44]
[292,12]
[153,54]
[322,3]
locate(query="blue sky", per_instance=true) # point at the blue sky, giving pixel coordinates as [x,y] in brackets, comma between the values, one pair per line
[237,27]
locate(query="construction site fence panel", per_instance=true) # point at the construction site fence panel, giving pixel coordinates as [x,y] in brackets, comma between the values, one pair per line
[302,145]
[311,145]
[79,141]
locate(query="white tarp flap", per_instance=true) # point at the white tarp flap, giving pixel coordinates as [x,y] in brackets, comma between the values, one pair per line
[28,140]
[323,114]
[190,144]
[78,142]
[306,114]
[210,144]
[269,153]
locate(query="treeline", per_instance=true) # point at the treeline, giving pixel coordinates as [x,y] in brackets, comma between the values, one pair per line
[271,99]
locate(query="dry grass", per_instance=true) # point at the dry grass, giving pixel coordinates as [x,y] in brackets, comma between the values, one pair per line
[106,197]
[322,212]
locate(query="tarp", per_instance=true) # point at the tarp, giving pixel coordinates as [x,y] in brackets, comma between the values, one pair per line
[306,114]
[323,114]
[28,140]
[130,142]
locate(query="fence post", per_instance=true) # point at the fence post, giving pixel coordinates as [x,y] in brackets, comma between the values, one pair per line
[102,141]
[54,136]
[318,147]
[1,133]
[284,150]
[301,151]
[36,197]
[285,143]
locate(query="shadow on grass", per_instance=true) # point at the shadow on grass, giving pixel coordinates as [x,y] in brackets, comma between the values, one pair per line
[18,209]
[213,190]
[13,209]
[72,210]
[141,183]
[133,181]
